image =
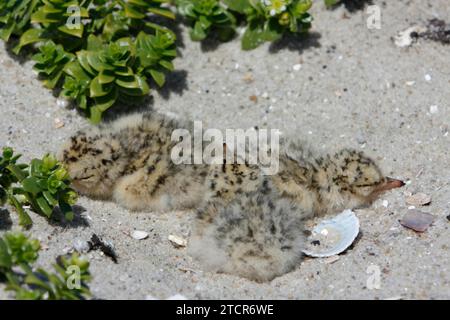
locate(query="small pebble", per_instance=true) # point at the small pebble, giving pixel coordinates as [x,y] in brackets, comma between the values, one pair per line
[58,123]
[360,138]
[427,78]
[418,199]
[254,98]
[123,277]
[66,250]
[177,241]
[81,246]
[297,67]
[265,95]
[434,109]
[417,220]
[139,235]
[385,203]
[62,103]
[248,78]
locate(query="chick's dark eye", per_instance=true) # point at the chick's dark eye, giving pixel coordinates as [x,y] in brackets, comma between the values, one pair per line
[366,185]
[85,178]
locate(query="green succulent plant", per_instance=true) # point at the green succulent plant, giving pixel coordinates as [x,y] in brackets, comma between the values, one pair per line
[268,20]
[48,186]
[99,52]
[44,185]
[106,73]
[11,173]
[16,249]
[50,63]
[15,16]
[206,16]
[76,89]
[113,24]
[68,282]
[61,21]
[111,69]
[154,55]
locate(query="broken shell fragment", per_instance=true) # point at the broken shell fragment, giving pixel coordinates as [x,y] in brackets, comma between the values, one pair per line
[58,123]
[407,37]
[334,235]
[177,241]
[139,235]
[417,220]
[418,199]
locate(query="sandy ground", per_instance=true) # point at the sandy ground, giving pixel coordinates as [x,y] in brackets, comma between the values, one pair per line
[355,88]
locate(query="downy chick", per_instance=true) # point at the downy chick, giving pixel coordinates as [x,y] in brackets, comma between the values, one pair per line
[129,161]
[249,224]
[259,233]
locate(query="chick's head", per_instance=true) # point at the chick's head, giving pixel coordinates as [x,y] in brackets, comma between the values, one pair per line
[93,162]
[349,179]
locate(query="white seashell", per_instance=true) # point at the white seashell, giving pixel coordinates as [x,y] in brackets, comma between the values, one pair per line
[177,241]
[333,236]
[139,235]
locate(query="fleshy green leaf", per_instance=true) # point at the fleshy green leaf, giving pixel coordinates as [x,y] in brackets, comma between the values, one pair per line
[158,76]
[99,90]
[5,257]
[76,32]
[30,184]
[43,205]
[30,36]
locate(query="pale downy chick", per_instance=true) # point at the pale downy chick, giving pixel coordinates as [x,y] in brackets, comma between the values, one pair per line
[129,161]
[258,235]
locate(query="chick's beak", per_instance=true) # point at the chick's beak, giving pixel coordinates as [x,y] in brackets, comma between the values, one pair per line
[389,184]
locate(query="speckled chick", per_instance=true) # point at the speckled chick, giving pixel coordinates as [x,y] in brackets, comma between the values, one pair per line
[129,161]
